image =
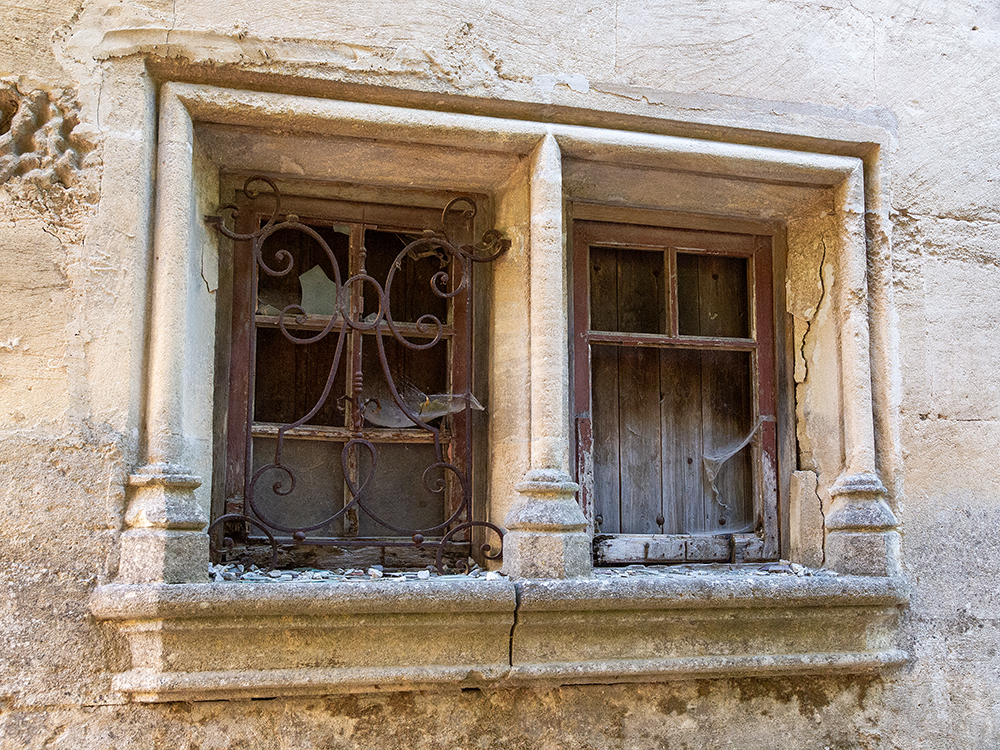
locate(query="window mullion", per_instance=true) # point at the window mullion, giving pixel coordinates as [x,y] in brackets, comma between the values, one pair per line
[671,291]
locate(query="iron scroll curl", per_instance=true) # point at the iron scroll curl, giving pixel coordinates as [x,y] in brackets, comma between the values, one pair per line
[452,281]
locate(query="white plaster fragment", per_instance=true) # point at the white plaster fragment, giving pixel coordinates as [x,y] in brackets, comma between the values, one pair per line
[290,166]
[575,81]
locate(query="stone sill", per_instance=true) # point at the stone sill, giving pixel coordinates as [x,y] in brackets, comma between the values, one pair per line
[243,640]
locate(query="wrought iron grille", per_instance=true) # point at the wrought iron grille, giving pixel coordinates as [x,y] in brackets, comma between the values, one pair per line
[368,398]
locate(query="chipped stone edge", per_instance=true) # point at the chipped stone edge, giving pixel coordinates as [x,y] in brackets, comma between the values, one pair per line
[693,592]
[118,601]
[709,667]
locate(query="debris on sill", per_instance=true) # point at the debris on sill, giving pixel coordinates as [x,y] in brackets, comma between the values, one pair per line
[728,570]
[224,572]
[238,572]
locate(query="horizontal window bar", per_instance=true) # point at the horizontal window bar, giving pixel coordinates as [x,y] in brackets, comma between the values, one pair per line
[343,434]
[676,342]
[319,322]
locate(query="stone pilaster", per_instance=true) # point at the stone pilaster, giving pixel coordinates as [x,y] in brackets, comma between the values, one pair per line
[164,538]
[861,537]
[547,535]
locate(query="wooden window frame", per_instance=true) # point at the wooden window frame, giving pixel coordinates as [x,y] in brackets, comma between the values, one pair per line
[241,428]
[616,549]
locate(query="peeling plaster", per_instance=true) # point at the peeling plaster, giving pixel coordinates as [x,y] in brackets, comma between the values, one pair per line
[547,83]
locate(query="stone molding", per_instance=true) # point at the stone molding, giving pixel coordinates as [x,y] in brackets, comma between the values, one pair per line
[565,163]
[241,640]
[555,624]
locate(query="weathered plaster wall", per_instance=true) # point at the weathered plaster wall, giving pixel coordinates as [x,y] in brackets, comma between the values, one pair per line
[71,343]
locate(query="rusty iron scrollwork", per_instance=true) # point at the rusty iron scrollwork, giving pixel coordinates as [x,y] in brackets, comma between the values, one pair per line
[282,478]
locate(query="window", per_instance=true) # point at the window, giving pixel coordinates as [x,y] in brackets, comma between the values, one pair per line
[350,395]
[195,641]
[675,388]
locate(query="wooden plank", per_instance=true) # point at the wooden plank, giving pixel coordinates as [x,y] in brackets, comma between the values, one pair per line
[623,549]
[614,234]
[708,549]
[766,457]
[748,548]
[722,295]
[243,336]
[585,469]
[640,291]
[319,323]
[641,310]
[605,419]
[345,555]
[680,415]
[688,295]
[639,438]
[343,434]
[603,289]
[726,421]
[655,340]
[603,270]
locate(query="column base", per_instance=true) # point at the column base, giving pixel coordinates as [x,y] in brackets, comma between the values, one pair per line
[164,540]
[547,531]
[863,553]
[163,556]
[534,554]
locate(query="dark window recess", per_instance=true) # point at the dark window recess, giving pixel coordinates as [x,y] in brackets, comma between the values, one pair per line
[674,373]
[350,396]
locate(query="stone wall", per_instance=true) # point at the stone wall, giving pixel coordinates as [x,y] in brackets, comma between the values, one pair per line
[76,84]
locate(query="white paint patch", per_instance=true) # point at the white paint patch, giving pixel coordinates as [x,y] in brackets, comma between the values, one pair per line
[10,344]
[289,166]
[575,81]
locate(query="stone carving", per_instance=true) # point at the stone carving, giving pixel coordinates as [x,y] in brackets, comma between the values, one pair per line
[36,136]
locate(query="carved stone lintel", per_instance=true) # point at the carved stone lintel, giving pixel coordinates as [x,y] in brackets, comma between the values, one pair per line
[547,531]
[165,538]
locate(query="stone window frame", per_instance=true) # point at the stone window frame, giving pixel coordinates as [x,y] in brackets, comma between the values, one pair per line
[504,632]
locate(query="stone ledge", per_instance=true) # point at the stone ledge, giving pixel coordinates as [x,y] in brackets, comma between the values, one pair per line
[136,601]
[242,640]
[725,589]
[643,629]
[701,667]
[153,687]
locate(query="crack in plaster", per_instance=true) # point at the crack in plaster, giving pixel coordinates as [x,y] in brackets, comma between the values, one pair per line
[819,305]
[513,625]
[822,536]
[173,23]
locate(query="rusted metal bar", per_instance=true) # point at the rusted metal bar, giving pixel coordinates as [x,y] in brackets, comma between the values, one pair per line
[449,475]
